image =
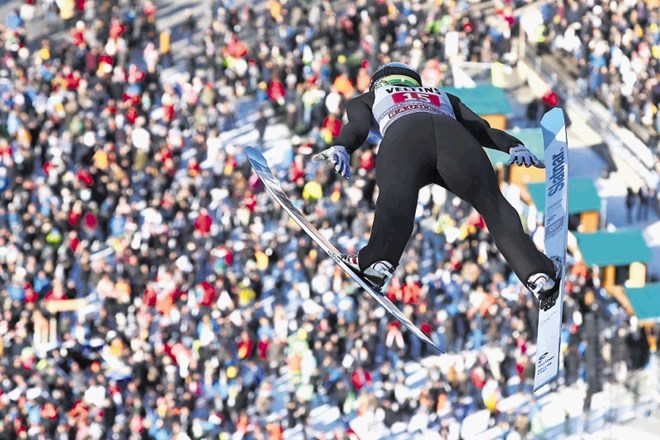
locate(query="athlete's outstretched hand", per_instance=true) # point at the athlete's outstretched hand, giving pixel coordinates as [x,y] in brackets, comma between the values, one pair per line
[521,155]
[339,156]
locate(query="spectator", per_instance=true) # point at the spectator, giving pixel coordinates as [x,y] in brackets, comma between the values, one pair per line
[630,203]
[261,125]
[620,355]
[532,112]
[644,200]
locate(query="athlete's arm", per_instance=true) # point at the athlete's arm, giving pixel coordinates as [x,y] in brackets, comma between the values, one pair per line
[356,130]
[480,128]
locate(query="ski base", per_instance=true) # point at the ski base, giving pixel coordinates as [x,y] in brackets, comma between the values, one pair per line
[556,233]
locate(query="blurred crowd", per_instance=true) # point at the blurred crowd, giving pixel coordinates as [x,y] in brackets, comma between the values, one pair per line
[206,313]
[614,48]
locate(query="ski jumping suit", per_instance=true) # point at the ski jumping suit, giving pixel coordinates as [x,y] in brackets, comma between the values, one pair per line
[430,136]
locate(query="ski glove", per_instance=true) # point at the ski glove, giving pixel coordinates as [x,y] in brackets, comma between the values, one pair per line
[521,155]
[339,156]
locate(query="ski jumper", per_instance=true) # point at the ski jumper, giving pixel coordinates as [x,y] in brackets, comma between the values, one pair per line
[430,136]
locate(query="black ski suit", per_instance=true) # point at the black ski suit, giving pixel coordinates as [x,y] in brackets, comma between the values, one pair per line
[425,143]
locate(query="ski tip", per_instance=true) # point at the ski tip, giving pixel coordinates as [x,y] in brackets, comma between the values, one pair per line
[554,112]
[553,120]
[553,126]
[255,155]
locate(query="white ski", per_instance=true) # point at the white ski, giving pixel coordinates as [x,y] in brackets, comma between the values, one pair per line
[556,232]
[262,169]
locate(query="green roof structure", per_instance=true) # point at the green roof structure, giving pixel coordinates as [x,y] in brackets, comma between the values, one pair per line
[645,301]
[582,195]
[618,248]
[532,138]
[483,99]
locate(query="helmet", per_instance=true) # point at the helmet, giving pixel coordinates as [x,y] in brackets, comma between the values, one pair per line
[395,73]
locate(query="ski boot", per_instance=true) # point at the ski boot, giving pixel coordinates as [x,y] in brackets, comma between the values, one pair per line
[377,274]
[545,288]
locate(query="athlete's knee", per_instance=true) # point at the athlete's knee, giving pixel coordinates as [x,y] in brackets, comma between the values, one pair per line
[497,207]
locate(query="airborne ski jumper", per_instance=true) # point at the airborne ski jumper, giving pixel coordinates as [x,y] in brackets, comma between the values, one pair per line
[430,136]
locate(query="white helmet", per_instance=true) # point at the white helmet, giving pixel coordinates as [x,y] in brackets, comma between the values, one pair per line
[395,74]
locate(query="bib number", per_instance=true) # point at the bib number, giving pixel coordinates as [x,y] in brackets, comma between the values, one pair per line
[400,97]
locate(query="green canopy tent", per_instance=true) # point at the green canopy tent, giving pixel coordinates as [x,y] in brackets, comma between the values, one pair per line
[623,254]
[484,99]
[645,301]
[617,248]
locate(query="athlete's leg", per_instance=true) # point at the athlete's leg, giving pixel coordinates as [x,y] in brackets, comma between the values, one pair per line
[404,164]
[466,171]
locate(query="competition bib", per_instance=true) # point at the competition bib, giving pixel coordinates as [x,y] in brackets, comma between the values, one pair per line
[393,102]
